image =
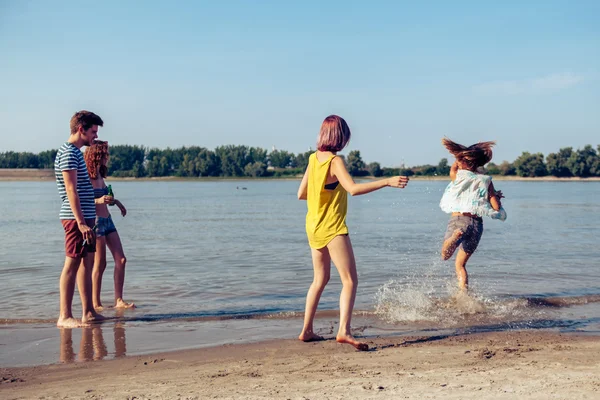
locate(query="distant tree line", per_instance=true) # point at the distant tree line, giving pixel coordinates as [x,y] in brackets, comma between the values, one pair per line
[240,161]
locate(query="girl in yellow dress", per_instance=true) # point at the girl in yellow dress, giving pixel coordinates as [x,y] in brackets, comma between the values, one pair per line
[325,186]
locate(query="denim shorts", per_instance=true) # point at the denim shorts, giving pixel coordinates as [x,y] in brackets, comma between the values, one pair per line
[472,228]
[104,226]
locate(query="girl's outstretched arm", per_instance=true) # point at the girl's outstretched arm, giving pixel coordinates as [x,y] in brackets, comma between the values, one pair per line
[302,190]
[341,173]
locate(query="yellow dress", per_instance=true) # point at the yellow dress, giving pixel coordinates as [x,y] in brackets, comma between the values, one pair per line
[327,208]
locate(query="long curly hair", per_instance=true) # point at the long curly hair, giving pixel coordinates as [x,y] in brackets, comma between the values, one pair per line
[472,157]
[95,159]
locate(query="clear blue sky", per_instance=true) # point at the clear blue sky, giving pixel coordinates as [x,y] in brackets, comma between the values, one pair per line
[266,73]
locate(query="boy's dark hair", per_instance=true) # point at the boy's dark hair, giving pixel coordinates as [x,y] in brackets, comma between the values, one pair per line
[84,119]
[472,157]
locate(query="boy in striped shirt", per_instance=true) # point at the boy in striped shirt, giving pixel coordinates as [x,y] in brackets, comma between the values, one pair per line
[77,214]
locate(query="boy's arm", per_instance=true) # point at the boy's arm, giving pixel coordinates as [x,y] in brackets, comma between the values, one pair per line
[70,178]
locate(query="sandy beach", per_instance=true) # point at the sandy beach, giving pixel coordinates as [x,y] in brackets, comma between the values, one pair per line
[523,364]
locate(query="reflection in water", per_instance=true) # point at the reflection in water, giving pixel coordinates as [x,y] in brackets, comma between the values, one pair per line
[119,336]
[92,346]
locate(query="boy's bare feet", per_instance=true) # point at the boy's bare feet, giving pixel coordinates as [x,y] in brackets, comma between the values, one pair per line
[99,308]
[120,303]
[351,341]
[450,244]
[70,323]
[310,337]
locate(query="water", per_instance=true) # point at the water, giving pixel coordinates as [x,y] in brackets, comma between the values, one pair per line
[211,263]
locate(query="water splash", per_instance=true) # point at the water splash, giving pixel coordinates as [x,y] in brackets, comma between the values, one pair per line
[408,302]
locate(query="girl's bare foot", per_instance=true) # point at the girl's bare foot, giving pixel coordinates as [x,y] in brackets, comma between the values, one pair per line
[70,323]
[351,341]
[92,317]
[120,303]
[99,308]
[310,337]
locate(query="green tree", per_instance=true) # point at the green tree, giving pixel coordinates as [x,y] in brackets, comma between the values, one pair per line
[27,160]
[138,170]
[375,170]
[443,168]
[280,158]
[158,165]
[256,154]
[233,159]
[558,163]
[256,169]
[581,163]
[595,170]
[356,166]
[207,163]
[425,170]
[507,169]
[531,165]
[301,160]
[493,169]
[123,157]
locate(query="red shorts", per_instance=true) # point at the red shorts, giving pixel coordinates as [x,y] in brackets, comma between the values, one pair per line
[74,247]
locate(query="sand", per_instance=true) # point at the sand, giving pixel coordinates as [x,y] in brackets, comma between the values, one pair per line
[26,174]
[503,365]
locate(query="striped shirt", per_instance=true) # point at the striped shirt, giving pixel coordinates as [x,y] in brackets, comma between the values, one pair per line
[69,157]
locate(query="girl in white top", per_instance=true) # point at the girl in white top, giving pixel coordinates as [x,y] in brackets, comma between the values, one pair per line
[469,197]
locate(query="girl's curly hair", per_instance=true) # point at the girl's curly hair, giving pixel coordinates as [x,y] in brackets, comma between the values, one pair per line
[472,157]
[95,159]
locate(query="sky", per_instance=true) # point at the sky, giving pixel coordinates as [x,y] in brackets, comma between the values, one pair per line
[403,74]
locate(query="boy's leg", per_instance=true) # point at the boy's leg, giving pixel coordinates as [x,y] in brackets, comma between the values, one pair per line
[322,268]
[342,256]
[67,289]
[84,284]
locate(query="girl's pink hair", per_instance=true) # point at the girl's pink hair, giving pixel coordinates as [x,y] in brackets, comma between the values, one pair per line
[334,134]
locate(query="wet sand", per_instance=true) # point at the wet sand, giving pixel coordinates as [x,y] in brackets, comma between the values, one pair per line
[525,364]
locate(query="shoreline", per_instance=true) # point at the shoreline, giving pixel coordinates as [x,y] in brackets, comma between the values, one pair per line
[530,364]
[41,175]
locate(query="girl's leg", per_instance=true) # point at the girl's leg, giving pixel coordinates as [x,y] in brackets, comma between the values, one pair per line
[461,269]
[98,271]
[450,244]
[342,255]
[322,269]
[116,248]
